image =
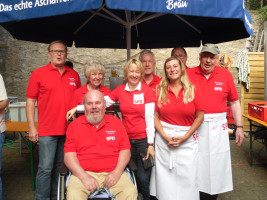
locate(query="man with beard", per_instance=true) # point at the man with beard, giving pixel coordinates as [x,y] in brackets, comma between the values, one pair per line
[96,151]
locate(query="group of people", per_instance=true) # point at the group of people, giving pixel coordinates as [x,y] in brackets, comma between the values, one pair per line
[180,119]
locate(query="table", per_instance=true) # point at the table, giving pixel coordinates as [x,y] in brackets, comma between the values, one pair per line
[22,127]
[252,121]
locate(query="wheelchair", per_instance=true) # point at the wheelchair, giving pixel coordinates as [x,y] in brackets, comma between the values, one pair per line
[102,194]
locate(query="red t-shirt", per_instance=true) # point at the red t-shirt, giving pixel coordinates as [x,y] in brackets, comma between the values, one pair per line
[156,80]
[176,112]
[53,92]
[79,94]
[216,90]
[97,148]
[132,106]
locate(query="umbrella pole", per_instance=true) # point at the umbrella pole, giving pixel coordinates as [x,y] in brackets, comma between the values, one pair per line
[128,34]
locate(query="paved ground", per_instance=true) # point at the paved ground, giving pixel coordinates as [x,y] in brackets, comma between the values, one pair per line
[250,183]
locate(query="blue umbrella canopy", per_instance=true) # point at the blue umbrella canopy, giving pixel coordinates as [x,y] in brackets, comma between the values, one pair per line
[127,23]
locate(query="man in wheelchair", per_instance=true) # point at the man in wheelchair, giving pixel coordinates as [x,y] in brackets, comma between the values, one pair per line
[96,151]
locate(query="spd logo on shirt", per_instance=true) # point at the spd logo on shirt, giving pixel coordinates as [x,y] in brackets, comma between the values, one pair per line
[72,83]
[138,99]
[108,138]
[218,86]
[110,135]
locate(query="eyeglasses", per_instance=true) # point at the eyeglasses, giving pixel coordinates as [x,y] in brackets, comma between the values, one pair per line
[181,56]
[62,52]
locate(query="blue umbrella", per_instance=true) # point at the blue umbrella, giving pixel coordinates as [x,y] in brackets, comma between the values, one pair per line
[126,23]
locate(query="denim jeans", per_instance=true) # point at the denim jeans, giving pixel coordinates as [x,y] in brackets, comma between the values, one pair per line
[2,140]
[142,175]
[50,159]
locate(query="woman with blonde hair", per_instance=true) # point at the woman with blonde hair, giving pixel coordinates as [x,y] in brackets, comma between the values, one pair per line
[94,73]
[178,114]
[137,103]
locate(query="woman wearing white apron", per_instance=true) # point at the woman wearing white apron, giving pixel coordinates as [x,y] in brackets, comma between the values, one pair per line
[179,113]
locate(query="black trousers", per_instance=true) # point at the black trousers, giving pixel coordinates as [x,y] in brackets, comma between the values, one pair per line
[205,196]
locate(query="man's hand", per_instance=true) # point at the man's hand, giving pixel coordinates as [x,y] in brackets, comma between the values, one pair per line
[112,178]
[90,183]
[33,134]
[239,136]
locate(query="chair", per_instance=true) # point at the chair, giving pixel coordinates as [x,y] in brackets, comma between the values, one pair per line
[232,135]
[115,81]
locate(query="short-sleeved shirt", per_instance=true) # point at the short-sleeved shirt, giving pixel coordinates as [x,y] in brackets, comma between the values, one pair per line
[97,148]
[132,106]
[156,80]
[216,89]
[3,96]
[176,112]
[53,92]
[79,94]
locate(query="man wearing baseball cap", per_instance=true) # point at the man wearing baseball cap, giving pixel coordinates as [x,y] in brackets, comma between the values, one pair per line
[217,86]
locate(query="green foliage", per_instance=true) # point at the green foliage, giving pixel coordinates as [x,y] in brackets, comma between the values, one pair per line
[254,4]
[263,11]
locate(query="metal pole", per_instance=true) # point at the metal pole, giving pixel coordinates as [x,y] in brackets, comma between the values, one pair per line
[128,36]
[265,61]
[128,33]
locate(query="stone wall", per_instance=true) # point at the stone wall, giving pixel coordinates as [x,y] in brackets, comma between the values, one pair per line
[20,58]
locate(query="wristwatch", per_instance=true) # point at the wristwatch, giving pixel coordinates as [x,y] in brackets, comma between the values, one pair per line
[151,144]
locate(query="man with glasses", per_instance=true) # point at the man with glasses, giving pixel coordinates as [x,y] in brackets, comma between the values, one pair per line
[180,52]
[148,61]
[52,86]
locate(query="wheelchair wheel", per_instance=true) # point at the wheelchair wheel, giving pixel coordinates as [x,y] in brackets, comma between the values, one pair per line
[61,194]
[140,196]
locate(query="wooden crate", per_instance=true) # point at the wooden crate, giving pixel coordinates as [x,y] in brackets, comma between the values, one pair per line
[256,90]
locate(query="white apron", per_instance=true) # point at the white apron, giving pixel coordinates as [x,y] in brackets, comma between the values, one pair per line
[214,172]
[174,176]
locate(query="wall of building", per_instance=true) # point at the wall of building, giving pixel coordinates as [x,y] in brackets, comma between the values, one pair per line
[19,58]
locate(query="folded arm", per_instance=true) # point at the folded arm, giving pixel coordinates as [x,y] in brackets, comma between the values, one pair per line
[177,141]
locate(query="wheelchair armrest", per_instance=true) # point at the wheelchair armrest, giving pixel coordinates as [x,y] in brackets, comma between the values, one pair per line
[132,165]
[63,170]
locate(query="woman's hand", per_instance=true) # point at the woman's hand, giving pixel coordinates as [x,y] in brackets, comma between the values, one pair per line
[176,141]
[167,138]
[71,113]
[150,151]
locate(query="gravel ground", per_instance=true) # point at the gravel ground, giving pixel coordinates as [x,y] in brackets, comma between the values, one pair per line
[250,183]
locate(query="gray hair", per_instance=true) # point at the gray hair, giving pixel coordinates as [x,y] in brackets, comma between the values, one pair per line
[55,42]
[93,66]
[146,51]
